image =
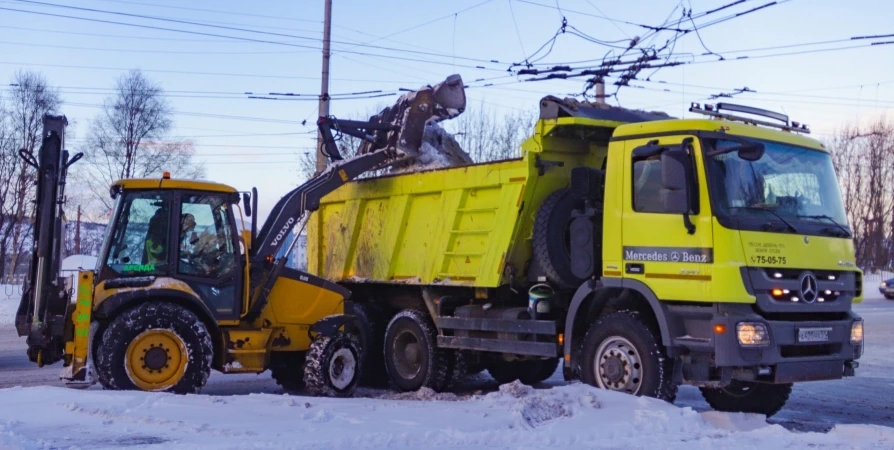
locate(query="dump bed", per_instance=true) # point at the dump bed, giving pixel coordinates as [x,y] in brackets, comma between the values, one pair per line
[468,225]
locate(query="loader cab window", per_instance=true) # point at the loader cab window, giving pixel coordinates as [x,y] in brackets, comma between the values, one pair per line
[206,237]
[140,238]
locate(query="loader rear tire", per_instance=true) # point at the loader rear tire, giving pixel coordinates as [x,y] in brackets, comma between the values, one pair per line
[412,357]
[552,237]
[156,346]
[371,328]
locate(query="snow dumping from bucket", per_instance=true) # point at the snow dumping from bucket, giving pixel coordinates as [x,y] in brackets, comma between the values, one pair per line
[439,149]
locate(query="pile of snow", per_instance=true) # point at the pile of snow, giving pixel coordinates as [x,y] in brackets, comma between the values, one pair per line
[439,149]
[10,295]
[572,416]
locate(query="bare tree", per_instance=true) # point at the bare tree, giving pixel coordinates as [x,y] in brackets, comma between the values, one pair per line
[864,162]
[128,139]
[487,136]
[31,98]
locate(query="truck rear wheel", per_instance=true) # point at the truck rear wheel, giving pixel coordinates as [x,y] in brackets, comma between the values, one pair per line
[622,354]
[412,357]
[748,397]
[333,365]
[552,237]
[528,372]
[156,346]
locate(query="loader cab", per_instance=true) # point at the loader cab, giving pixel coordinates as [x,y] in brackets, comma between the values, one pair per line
[172,235]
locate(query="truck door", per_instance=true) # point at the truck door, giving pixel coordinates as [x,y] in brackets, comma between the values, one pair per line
[672,253]
[207,257]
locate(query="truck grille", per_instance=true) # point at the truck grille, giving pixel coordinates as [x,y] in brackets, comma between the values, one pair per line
[787,290]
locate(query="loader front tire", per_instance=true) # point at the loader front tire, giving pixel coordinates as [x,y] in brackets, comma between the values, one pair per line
[333,365]
[156,346]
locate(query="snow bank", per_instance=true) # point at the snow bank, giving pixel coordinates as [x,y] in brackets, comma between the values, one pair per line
[572,416]
[10,295]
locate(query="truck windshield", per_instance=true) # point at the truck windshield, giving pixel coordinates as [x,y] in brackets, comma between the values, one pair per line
[789,189]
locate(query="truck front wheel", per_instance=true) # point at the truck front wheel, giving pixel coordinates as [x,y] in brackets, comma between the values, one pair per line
[412,357]
[748,397]
[156,346]
[622,354]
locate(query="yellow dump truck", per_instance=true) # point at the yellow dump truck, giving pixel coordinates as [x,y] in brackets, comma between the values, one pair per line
[641,251]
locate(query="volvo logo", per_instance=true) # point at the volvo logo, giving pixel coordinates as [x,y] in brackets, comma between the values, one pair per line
[808,288]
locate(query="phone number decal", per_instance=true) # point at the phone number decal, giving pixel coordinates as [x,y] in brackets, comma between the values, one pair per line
[775,260]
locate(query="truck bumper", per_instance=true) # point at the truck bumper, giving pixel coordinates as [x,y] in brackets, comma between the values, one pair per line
[795,351]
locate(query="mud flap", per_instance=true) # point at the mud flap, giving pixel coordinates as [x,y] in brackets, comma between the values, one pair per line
[329,326]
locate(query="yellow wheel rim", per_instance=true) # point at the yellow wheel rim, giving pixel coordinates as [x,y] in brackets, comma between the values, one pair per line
[156,360]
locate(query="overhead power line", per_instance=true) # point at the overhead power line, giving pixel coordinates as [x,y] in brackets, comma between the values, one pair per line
[246,30]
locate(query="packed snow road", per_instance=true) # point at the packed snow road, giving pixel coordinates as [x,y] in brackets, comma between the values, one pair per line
[844,413]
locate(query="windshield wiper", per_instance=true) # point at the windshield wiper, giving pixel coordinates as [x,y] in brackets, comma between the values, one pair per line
[786,222]
[823,216]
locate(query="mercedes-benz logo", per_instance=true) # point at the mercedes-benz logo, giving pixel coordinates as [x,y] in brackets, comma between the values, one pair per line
[675,257]
[808,288]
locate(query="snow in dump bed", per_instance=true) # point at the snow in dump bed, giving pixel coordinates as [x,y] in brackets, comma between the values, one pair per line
[516,416]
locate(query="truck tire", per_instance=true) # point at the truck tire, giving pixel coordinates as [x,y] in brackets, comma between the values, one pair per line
[333,365]
[552,239]
[748,397]
[288,371]
[371,330]
[412,357]
[156,346]
[527,371]
[889,296]
[622,354]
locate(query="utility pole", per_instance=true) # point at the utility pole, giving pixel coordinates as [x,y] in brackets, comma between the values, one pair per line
[324,91]
[600,91]
[78,233]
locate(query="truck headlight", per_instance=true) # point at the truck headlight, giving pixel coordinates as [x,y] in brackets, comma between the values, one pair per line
[857,332]
[753,334]
[884,284]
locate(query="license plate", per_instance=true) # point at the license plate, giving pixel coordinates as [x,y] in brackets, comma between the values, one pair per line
[813,334]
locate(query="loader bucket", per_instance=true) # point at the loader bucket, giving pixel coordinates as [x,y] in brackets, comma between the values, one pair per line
[414,110]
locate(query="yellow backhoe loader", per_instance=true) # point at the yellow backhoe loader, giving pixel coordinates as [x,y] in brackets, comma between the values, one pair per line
[180,288]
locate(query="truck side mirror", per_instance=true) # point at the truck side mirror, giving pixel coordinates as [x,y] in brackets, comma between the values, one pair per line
[675,170]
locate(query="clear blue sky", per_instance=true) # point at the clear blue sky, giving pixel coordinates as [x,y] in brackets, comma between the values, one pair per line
[260,145]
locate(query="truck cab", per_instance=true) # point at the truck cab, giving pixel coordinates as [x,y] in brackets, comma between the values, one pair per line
[737,236]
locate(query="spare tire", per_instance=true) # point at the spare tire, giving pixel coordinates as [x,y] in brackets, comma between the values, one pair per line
[552,237]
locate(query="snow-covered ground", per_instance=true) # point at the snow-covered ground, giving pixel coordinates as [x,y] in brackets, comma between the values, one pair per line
[249,411]
[516,416]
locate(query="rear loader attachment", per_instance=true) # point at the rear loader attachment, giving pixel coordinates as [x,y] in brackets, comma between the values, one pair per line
[43,311]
